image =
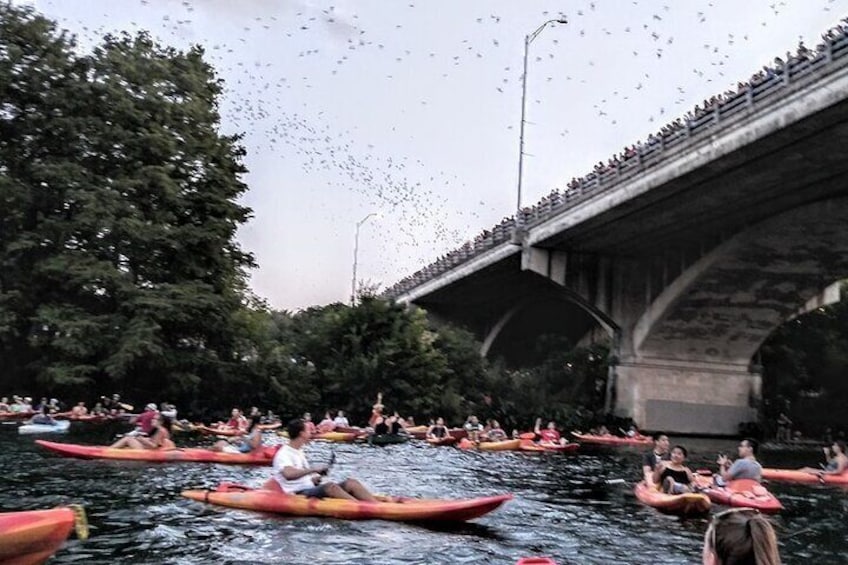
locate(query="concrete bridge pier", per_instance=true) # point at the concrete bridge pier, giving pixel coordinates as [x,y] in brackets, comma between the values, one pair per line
[686,396]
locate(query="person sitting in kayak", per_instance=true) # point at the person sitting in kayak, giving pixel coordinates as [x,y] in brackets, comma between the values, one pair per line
[376,410]
[293,474]
[381,427]
[395,427]
[237,420]
[43,418]
[740,535]
[549,435]
[473,428]
[746,467]
[159,437]
[496,433]
[652,459]
[341,420]
[672,475]
[247,444]
[837,461]
[79,410]
[438,430]
[327,424]
[310,425]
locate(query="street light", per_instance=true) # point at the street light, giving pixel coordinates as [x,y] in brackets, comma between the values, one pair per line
[356,254]
[528,39]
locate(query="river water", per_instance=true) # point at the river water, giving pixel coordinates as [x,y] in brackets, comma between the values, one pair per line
[563,508]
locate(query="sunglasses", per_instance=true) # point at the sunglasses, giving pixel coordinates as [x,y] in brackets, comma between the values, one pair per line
[717,518]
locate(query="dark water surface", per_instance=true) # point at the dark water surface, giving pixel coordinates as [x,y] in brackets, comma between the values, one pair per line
[562,508]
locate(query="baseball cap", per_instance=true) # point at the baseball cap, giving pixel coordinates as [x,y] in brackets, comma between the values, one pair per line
[150,406]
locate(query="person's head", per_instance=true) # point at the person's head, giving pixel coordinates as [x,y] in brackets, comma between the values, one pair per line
[679,454]
[251,423]
[150,407]
[235,412]
[495,425]
[474,419]
[307,417]
[440,421]
[297,430]
[551,425]
[740,536]
[838,447]
[748,447]
[116,397]
[341,413]
[660,442]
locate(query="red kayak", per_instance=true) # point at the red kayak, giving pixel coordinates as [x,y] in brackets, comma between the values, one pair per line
[743,493]
[795,476]
[687,504]
[222,431]
[32,537]
[535,561]
[403,510]
[532,446]
[193,455]
[610,439]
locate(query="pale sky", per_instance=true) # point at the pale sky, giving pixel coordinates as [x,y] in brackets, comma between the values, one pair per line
[411,108]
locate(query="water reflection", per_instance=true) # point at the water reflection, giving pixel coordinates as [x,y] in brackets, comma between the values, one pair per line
[563,508]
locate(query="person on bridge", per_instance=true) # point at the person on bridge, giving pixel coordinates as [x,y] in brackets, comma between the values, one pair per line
[651,460]
[746,467]
[293,474]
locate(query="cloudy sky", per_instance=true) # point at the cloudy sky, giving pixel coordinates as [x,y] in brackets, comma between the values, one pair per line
[411,108]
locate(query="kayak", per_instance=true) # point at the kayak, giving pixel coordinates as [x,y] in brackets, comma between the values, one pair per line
[795,476]
[506,445]
[15,416]
[687,504]
[387,439]
[535,561]
[222,431]
[336,436]
[59,427]
[437,441]
[193,455]
[531,446]
[403,510]
[32,537]
[610,439]
[743,493]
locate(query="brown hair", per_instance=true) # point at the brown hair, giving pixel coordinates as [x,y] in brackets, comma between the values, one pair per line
[742,537]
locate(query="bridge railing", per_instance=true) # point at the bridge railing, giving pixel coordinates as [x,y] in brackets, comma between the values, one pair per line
[658,148]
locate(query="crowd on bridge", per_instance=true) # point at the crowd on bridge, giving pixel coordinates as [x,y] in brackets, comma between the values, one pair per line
[764,85]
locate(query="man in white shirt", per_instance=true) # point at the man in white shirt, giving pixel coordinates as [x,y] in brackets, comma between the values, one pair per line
[294,475]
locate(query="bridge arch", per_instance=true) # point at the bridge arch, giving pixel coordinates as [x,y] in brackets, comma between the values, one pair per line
[724,306]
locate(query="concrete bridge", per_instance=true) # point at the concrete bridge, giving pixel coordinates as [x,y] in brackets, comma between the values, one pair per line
[688,255]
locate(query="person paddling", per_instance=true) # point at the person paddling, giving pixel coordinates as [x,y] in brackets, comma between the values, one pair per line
[837,461]
[293,474]
[550,435]
[746,467]
[652,459]
[438,430]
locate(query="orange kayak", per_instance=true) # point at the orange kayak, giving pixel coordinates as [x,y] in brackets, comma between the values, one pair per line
[744,493]
[610,439]
[795,476]
[532,446]
[447,440]
[683,504]
[506,445]
[336,436]
[402,510]
[223,431]
[32,537]
[195,455]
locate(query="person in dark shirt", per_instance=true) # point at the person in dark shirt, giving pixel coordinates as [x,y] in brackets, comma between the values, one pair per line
[381,427]
[651,459]
[674,476]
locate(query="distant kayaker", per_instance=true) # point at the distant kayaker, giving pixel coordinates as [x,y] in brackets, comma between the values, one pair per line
[746,467]
[376,410]
[310,425]
[246,444]
[159,437]
[395,427]
[496,433]
[652,459]
[473,428]
[381,427]
[79,410]
[341,420]
[837,461]
[740,535]
[42,417]
[327,424]
[549,435]
[438,430]
[237,420]
[673,475]
[293,474]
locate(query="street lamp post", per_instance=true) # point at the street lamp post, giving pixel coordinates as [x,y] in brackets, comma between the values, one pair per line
[356,255]
[528,39]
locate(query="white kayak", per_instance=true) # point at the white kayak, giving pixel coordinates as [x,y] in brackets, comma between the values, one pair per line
[60,427]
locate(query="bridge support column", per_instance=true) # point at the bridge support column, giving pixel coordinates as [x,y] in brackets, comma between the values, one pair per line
[686,397]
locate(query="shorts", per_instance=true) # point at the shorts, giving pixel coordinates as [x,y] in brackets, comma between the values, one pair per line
[314,492]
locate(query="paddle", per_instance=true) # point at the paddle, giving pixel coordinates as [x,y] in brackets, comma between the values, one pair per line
[330,463]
